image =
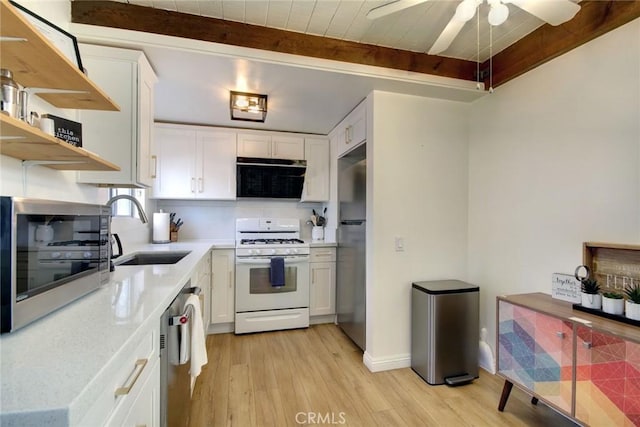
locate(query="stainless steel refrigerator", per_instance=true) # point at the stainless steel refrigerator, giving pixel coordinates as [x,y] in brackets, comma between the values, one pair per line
[351,271]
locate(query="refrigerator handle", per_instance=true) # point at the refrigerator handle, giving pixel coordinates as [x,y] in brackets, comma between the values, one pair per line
[352,222]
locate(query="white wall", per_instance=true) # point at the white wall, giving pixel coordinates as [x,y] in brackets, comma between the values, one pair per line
[553,162]
[417,190]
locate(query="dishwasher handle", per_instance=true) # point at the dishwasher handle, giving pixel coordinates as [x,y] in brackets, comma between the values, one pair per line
[185,317]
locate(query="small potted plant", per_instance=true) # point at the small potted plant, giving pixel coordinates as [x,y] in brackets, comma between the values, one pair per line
[612,303]
[591,297]
[632,306]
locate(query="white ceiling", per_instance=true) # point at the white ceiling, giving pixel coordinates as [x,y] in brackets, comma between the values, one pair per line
[414,29]
[194,83]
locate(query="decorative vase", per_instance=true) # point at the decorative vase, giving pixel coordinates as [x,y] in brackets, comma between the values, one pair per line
[592,301]
[613,305]
[632,310]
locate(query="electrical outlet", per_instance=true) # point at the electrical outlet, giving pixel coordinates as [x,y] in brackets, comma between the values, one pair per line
[399,244]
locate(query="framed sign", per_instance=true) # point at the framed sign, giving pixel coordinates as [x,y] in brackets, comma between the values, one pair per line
[565,287]
[64,41]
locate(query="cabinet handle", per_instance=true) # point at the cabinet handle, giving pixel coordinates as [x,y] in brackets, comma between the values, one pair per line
[193,185]
[140,364]
[586,345]
[560,334]
[313,277]
[155,166]
[322,254]
[200,185]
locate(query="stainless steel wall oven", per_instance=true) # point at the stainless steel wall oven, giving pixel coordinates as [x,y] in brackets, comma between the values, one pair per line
[51,254]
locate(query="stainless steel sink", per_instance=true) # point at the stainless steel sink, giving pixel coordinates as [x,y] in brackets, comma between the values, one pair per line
[152,258]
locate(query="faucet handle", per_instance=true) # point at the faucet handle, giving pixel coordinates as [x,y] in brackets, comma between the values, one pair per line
[115,237]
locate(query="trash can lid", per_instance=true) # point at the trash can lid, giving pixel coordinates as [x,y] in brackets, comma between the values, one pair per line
[445,287]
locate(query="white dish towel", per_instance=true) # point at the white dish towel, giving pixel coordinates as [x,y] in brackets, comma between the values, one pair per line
[198,348]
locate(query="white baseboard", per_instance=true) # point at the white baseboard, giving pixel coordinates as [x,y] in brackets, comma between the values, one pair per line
[327,318]
[220,328]
[380,364]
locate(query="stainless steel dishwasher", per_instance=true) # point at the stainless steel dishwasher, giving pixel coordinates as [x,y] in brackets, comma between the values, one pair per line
[175,381]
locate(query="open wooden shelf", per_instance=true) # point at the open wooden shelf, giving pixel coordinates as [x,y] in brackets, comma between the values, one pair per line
[36,63]
[25,142]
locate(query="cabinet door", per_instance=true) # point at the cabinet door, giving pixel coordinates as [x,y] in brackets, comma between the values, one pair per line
[145,410]
[112,135]
[216,159]
[146,159]
[352,131]
[176,153]
[316,179]
[254,145]
[322,296]
[222,286]
[287,147]
[536,351]
[607,379]
[122,137]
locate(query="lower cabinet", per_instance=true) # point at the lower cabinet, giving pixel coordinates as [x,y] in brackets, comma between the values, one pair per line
[222,286]
[322,281]
[585,366]
[145,410]
[202,279]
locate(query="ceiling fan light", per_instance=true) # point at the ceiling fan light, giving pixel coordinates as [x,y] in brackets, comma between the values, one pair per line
[466,10]
[498,14]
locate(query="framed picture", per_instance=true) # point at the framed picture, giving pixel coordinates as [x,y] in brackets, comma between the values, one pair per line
[64,41]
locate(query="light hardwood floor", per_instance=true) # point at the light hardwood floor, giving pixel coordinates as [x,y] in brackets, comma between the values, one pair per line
[315,376]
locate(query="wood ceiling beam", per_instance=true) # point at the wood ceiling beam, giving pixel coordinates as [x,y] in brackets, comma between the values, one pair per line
[164,22]
[595,18]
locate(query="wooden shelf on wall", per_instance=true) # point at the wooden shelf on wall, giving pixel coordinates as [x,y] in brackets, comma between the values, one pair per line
[36,63]
[25,142]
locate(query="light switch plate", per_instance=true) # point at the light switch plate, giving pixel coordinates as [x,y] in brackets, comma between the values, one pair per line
[399,244]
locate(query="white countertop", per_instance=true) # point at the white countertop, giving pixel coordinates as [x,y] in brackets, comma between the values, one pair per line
[51,368]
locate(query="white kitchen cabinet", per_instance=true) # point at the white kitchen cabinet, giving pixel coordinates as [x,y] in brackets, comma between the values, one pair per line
[322,280]
[195,162]
[122,137]
[316,179]
[145,410]
[270,146]
[352,131]
[202,279]
[222,286]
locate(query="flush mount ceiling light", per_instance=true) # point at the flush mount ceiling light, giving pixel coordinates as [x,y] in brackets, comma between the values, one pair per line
[248,106]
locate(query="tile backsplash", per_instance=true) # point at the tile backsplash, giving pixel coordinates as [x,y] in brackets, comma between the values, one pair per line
[206,219]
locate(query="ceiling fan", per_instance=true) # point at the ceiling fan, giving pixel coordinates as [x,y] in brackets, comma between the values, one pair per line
[554,12]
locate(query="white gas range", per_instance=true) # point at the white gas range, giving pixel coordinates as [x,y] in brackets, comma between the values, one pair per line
[272,275]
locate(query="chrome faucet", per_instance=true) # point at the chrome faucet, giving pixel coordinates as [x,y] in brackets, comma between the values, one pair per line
[143,216]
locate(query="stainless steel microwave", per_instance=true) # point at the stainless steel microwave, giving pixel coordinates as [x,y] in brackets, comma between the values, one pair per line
[269,178]
[51,254]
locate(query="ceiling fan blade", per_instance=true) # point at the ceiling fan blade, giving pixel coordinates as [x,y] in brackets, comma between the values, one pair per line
[393,7]
[554,12]
[447,36]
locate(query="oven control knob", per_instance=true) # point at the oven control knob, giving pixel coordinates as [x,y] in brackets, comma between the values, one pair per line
[294,251]
[255,252]
[68,255]
[287,251]
[55,255]
[272,252]
[87,255]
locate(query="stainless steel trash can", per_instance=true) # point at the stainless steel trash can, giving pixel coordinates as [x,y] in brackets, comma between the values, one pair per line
[445,331]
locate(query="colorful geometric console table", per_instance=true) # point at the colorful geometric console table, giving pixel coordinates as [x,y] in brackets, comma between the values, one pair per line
[585,366]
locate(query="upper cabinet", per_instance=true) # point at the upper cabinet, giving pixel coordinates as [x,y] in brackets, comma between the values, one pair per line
[36,63]
[352,131]
[316,179]
[123,137]
[270,146]
[195,162]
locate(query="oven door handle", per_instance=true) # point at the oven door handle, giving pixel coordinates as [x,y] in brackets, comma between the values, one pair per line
[267,261]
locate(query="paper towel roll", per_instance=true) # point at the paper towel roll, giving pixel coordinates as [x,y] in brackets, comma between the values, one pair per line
[160,227]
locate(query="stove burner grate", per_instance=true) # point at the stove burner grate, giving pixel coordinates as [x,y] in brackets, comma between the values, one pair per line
[269,241]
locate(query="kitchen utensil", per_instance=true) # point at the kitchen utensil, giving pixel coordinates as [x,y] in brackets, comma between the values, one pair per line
[9,103]
[23,105]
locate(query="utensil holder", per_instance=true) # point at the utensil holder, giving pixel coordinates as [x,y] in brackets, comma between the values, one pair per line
[317,233]
[173,236]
